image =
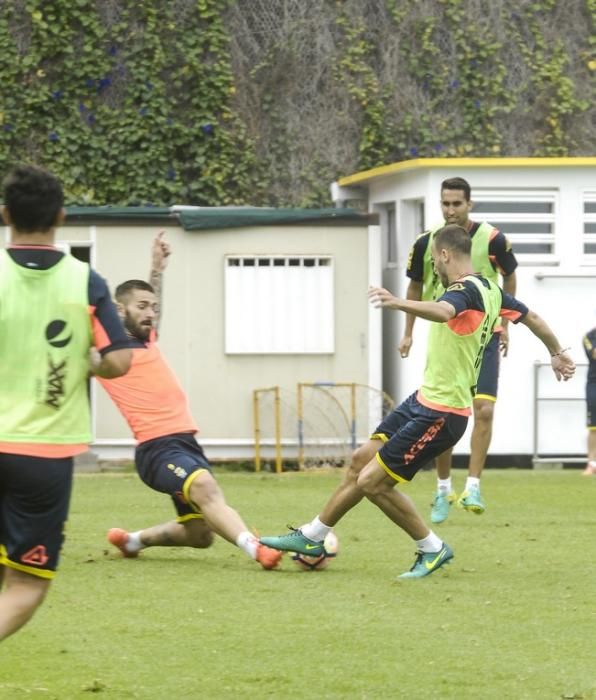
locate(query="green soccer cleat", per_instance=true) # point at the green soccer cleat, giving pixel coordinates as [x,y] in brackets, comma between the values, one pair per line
[294,541]
[471,501]
[440,506]
[427,562]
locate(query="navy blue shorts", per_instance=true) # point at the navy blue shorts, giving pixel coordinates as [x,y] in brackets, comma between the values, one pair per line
[591,404]
[169,464]
[34,500]
[488,379]
[413,435]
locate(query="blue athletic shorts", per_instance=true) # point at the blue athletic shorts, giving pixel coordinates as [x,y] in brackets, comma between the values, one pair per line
[413,435]
[488,379]
[591,404]
[166,465]
[34,500]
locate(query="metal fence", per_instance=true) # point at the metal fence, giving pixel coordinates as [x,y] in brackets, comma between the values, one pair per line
[567,404]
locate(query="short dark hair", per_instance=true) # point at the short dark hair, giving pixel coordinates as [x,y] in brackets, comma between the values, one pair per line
[33,198]
[458,183]
[453,237]
[124,290]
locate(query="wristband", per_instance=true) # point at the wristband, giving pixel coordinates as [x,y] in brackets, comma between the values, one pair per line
[556,354]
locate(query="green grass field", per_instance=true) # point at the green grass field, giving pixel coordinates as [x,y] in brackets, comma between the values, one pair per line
[513,617]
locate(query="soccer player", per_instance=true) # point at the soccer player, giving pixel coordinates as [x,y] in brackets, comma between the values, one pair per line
[433,419]
[53,310]
[491,256]
[167,456]
[589,341]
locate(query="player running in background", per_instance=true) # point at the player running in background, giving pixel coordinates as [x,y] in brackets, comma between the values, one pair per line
[589,341]
[433,419]
[167,456]
[53,310]
[491,257]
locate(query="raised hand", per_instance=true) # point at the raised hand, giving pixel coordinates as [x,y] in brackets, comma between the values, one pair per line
[160,251]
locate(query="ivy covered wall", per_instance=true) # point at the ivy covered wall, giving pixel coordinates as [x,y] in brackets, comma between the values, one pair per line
[265,102]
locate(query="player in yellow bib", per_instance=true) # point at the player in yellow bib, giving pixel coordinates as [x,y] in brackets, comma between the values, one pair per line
[491,257]
[57,324]
[434,418]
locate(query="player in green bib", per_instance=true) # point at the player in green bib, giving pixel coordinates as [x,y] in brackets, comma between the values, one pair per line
[491,257]
[57,325]
[434,418]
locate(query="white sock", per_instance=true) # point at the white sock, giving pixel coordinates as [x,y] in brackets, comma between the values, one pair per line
[592,463]
[134,544]
[444,485]
[472,482]
[316,530]
[431,543]
[248,542]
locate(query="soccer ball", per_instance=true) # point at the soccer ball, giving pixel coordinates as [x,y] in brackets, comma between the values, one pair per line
[307,563]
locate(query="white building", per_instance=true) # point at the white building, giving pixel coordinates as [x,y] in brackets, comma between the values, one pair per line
[547,208]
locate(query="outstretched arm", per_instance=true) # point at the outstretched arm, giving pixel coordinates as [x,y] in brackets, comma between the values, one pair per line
[160,253]
[439,311]
[562,364]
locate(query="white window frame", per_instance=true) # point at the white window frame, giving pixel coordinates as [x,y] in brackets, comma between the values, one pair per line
[388,220]
[267,312]
[588,218]
[519,196]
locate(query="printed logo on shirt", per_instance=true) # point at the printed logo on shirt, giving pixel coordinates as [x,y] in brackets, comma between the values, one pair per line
[55,383]
[56,334]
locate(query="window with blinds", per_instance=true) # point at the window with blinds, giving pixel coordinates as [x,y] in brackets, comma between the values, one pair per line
[589,220]
[279,304]
[527,218]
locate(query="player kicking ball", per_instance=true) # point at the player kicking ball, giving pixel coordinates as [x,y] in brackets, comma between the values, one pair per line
[434,418]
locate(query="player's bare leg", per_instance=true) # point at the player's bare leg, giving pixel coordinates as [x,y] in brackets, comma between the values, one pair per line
[379,487]
[482,432]
[190,533]
[217,517]
[21,596]
[207,496]
[484,409]
[590,469]
[444,495]
[431,552]
[193,532]
[309,538]
[348,494]
[443,462]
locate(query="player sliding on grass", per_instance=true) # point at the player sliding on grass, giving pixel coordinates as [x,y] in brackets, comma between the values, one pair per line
[434,418]
[167,457]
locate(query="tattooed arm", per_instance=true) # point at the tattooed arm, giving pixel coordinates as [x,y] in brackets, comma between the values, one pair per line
[160,252]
